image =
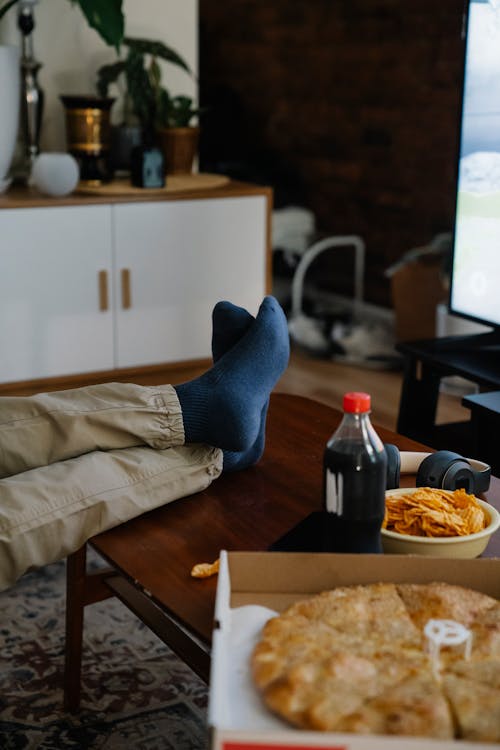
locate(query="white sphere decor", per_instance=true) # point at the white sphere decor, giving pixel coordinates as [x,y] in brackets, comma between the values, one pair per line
[55,174]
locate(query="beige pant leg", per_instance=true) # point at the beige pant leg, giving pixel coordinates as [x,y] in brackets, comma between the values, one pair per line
[49,427]
[50,512]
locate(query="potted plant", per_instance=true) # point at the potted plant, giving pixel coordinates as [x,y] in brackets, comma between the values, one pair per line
[178,138]
[147,104]
[105,17]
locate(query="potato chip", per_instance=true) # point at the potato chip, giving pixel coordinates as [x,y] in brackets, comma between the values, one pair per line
[205,570]
[434,512]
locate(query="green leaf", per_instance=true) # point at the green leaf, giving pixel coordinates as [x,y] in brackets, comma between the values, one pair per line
[106,17]
[181,112]
[140,90]
[7,6]
[154,73]
[162,107]
[157,49]
[108,74]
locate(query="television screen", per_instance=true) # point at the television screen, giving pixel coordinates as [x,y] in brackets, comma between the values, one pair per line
[475,275]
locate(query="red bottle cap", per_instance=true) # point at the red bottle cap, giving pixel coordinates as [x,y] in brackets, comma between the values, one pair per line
[356,403]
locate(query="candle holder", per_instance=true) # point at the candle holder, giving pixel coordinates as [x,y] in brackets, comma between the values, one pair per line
[32,97]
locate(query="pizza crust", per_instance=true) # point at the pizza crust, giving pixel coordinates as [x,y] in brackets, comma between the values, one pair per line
[414,707]
[476,708]
[354,660]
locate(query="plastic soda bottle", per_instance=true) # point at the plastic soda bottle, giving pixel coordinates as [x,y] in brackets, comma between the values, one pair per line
[355,477]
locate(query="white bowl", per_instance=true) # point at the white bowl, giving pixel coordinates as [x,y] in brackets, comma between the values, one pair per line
[470,545]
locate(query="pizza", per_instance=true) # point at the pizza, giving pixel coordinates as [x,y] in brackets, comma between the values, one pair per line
[362,659]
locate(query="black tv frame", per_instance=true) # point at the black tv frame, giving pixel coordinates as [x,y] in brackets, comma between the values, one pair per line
[489,339]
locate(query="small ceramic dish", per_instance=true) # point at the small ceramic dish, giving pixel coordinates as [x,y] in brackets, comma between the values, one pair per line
[471,545]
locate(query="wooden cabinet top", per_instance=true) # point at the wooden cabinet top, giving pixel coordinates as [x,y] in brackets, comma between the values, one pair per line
[181,187]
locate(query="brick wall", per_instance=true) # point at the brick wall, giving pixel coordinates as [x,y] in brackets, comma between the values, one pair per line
[349,107]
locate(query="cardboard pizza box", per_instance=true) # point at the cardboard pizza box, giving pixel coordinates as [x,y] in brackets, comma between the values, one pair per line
[252,583]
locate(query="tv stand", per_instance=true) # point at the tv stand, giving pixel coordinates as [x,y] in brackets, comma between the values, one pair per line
[426,362]
[483,341]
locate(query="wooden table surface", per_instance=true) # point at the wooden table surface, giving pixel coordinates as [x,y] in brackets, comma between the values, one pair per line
[247,510]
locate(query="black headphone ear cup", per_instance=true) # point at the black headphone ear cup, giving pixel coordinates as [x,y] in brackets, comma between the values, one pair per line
[393,466]
[432,470]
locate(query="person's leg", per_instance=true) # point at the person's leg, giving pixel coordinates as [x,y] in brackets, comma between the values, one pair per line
[50,427]
[50,512]
[224,408]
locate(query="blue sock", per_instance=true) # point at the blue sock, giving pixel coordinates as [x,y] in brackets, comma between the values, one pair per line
[224,406]
[229,325]
[237,460]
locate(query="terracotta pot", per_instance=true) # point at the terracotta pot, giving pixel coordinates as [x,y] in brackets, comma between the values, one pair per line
[179,146]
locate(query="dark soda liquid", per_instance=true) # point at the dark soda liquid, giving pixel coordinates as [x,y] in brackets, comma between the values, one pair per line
[355,527]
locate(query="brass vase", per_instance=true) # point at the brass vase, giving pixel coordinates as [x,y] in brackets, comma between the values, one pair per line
[88,135]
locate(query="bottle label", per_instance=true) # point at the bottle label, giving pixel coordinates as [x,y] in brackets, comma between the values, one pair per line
[334,492]
[354,484]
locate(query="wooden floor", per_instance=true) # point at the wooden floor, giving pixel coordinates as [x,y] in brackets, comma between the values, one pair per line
[327,381]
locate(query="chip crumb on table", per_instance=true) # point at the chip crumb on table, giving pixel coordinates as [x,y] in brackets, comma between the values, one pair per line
[205,570]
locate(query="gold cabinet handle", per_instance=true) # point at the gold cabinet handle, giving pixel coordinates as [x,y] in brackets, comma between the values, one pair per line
[126,293]
[103,290]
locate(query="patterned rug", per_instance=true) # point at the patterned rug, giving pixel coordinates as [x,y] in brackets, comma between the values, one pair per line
[135,692]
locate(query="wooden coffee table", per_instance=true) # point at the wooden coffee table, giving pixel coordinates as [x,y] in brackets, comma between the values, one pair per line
[151,556]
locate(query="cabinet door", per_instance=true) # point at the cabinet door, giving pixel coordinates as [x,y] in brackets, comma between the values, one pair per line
[177,259]
[54,264]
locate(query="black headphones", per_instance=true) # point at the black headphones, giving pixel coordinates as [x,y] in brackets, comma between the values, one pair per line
[443,469]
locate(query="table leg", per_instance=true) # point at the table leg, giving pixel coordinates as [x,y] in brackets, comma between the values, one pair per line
[418,403]
[75,604]
[82,588]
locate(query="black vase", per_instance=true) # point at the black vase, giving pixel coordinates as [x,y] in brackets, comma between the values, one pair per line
[123,139]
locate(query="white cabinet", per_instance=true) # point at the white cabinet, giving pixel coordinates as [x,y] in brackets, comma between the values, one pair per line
[179,259]
[52,261]
[90,288]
